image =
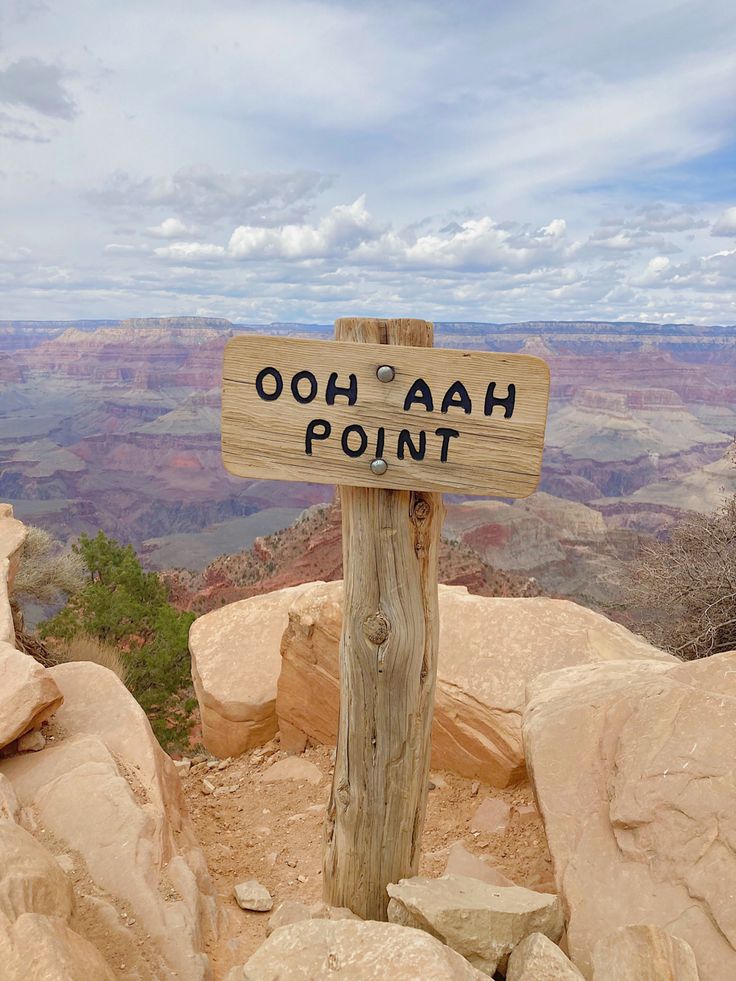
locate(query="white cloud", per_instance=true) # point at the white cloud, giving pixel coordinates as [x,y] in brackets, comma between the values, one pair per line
[190,252]
[171,228]
[343,229]
[725,223]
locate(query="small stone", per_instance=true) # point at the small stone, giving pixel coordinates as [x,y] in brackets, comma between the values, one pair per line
[526,813]
[293,768]
[437,782]
[226,789]
[316,808]
[207,787]
[183,767]
[492,816]
[474,788]
[224,764]
[296,817]
[301,878]
[31,742]
[251,895]
[199,758]
[213,764]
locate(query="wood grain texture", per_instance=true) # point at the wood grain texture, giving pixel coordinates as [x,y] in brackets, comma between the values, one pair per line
[388,668]
[492,455]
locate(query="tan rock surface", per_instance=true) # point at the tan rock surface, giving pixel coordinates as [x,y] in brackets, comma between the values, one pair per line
[320,950]
[293,768]
[633,769]
[12,536]
[643,953]
[538,959]
[110,798]
[31,881]
[28,694]
[489,650]
[236,662]
[44,948]
[483,923]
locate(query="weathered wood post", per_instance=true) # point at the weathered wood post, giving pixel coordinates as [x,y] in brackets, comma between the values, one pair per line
[388,667]
[381,415]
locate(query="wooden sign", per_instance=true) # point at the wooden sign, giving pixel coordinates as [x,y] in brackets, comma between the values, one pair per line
[370,415]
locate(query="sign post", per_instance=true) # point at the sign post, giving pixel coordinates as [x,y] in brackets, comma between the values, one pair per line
[394,424]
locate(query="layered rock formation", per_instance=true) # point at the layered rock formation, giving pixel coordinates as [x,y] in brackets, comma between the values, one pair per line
[93,419]
[489,650]
[632,765]
[236,661]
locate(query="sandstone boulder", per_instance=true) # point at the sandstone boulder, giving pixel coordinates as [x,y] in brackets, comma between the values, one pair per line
[111,800]
[28,694]
[490,649]
[538,959]
[643,953]
[356,951]
[483,923]
[632,765]
[12,536]
[236,662]
[44,948]
[31,881]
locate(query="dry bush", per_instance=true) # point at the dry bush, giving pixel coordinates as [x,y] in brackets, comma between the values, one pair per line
[47,572]
[689,585]
[83,647]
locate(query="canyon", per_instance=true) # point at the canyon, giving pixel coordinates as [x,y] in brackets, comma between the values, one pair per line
[116,425]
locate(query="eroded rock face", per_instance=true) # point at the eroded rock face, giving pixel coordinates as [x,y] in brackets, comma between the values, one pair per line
[111,802]
[28,694]
[643,953]
[482,922]
[236,662]
[12,536]
[490,649]
[632,765]
[538,959]
[31,881]
[355,951]
[45,948]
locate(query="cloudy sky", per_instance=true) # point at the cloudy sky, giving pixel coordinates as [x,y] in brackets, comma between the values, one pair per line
[296,160]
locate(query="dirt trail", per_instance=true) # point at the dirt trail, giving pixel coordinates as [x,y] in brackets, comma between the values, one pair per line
[273,832]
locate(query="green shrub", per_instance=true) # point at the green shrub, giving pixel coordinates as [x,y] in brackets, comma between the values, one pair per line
[123,605]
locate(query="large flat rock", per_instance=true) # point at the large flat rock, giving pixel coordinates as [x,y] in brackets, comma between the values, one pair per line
[633,768]
[482,922]
[318,950]
[490,649]
[236,662]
